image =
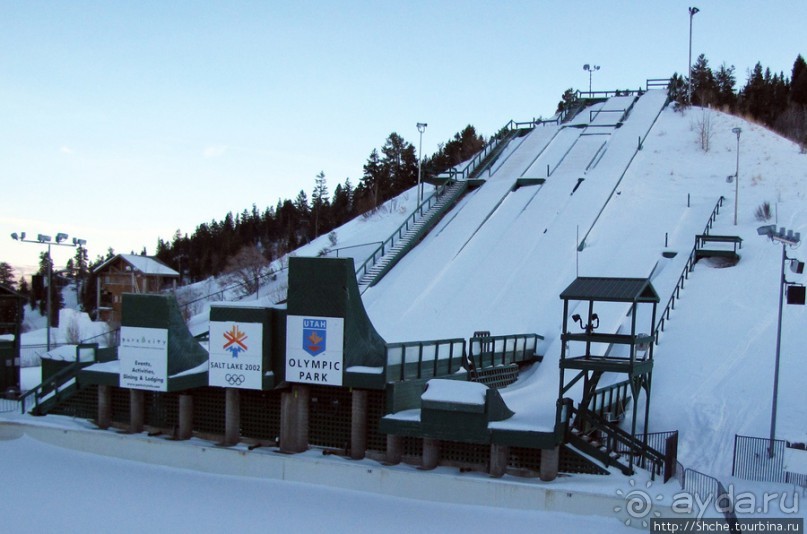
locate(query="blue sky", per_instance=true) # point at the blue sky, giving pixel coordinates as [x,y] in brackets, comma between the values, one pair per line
[125,121]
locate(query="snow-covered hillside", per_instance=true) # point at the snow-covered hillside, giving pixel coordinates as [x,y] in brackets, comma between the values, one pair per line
[499,259]
[618,198]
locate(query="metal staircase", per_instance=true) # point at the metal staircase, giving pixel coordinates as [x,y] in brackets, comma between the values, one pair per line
[608,443]
[395,247]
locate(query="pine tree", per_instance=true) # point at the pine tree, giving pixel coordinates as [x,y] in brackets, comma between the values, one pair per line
[373,180]
[52,291]
[753,96]
[319,202]
[724,83]
[400,160]
[677,91]
[798,82]
[24,288]
[704,89]
[7,278]
[302,228]
[567,100]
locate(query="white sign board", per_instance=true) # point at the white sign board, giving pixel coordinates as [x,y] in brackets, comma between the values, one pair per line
[143,358]
[315,349]
[236,355]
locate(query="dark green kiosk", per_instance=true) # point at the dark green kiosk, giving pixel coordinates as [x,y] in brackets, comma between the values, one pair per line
[11,311]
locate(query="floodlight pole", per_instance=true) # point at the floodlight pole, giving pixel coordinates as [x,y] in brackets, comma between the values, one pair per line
[46,240]
[692,11]
[590,69]
[737,131]
[421,128]
[778,348]
[785,238]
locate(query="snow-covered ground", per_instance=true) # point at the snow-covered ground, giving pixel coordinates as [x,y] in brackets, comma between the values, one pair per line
[51,489]
[501,257]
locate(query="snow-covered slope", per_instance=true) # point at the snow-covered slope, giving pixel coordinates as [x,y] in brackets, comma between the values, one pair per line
[500,258]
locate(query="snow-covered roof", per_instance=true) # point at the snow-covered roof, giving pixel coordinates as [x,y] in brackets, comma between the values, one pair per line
[144,264]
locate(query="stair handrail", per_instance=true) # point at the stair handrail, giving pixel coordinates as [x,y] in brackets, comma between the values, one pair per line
[471,166]
[379,252]
[617,434]
[620,387]
[688,266]
[53,383]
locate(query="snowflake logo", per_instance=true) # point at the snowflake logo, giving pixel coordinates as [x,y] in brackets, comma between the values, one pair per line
[638,504]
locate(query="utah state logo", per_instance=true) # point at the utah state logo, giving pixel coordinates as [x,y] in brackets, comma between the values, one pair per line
[314,336]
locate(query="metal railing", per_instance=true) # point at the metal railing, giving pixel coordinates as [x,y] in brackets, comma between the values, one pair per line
[269,274]
[480,156]
[371,243]
[655,440]
[466,171]
[688,267]
[54,385]
[410,222]
[489,351]
[707,489]
[657,83]
[592,95]
[609,402]
[617,439]
[422,359]
[753,461]
[9,405]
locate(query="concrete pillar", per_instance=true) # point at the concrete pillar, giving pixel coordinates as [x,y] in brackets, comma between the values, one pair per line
[499,454]
[137,410]
[394,449]
[232,416]
[550,461]
[431,453]
[104,406]
[358,424]
[294,405]
[185,416]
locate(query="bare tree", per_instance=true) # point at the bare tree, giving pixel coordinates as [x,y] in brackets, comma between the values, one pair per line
[703,127]
[245,268]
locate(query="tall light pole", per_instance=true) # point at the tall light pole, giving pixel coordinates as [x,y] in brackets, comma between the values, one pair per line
[786,238]
[42,239]
[737,132]
[421,128]
[590,69]
[692,11]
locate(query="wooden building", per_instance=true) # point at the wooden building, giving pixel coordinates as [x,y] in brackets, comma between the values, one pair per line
[129,273]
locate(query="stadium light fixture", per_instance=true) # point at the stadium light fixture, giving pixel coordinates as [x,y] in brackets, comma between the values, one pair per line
[787,238]
[42,239]
[593,325]
[590,69]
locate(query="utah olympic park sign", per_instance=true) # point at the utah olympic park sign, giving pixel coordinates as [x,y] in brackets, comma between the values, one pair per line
[236,355]
[315,349]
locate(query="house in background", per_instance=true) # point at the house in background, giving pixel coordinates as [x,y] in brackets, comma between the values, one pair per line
[129,273]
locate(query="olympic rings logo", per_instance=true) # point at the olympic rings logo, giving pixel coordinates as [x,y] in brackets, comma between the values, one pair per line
[234,380]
